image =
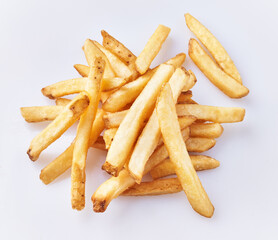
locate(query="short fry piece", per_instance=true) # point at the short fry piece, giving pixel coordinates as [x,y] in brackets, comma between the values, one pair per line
[62,101]
[206,130]
[185,96]
[151,49]
[176,148]
[108,136]
[215,74]
[200,163]
[199,144]
[41,113]
[57,127]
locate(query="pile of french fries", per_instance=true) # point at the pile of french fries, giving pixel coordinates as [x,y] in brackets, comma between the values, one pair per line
[145,118]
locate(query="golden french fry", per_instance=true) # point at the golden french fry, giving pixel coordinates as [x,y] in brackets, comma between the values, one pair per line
[81,144]
[212,113]
[151,134]
[108,136]
[58,126]
[156,187]
[113,120]
[199,144]
[151,49]
[129,129]
[215,74]
[185,96]
[105,95]
[206,130]
[200,163]
[62,163]
[176,148]
[83,70]
[62,101]
[215,48]
[41,113]
[99,144]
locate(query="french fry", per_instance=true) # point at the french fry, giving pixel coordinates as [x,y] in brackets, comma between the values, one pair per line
[206,130]
[58,126]
[108,136]
[176,148]
[151,134]
[81,144]
[113,120]
[99,144]
[184,97]
[83,70]
[129,129]
[215,48]
[212,113]
[200,163]
[199,144]
[105,95]
[41,113]
[63,162]
[62,101]
[215,74]
[156,187]
[151,49]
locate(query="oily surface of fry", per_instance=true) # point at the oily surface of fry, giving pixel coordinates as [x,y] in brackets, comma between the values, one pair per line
[215,74]
[41,113]
[58,126]
[206,130]
[215,48]
[173,141]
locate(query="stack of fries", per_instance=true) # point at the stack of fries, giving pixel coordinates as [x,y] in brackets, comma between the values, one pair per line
[147,119]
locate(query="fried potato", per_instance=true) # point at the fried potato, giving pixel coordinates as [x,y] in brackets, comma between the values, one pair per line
[211,113]
[99,144]
[105,95]
[156,187]
[199,144]
[185,96]
[200,163]
[83,70]
[63,162]
[151,134]
[108,136]
[151,49]
[216,75]
[206,130]
[113,120]
[215,48]
[41,113]
[58,126]
[81,144]
[176,148]
[62,101]
[129,128]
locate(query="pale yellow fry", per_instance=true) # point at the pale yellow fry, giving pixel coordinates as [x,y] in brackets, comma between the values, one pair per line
[108,136]
[215,48]
[200,163]
[156,187]
[151,49]
[40,113]
[81,144]
[62,101]
[58,126]
[92,52]
[215,74]
[129,129]
[63,162]
[212,113]
[151,134]
[206,130]
[199,144]
[176,148]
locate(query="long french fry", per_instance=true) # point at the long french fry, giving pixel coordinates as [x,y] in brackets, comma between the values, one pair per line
[206,130]
[130,126]
[41,113]
[81,144]
[215,48]
[215,74]
[151,49]
[176,148]
[57,127]
[200,163]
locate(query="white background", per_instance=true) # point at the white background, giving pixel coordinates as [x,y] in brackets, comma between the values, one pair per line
[39,43]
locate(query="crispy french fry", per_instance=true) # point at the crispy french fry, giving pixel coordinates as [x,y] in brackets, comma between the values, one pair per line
[105,95]
[64,161]
[58,126]
[215,74]
[62,101]
[156,187]
[212,113]
[200,163]
[99,144]
[113,120]
[215,48]
[199,144]
[129,129]
[206,130]
[41,113]
[81,144]
[176,148]
[151,134]
[185,96]
[151,49]
[108,136]
[83,70]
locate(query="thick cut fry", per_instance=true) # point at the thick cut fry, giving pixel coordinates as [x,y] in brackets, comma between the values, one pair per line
[57,127]
[81,144]
[151,134]
[41,113]
[214,47]
[215,74]
[156,187]
[151,49]
[64,161]
[176,148]
[184,97]
[211,113]
[200,163]
[62,101]
[206,130]
[130,126]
